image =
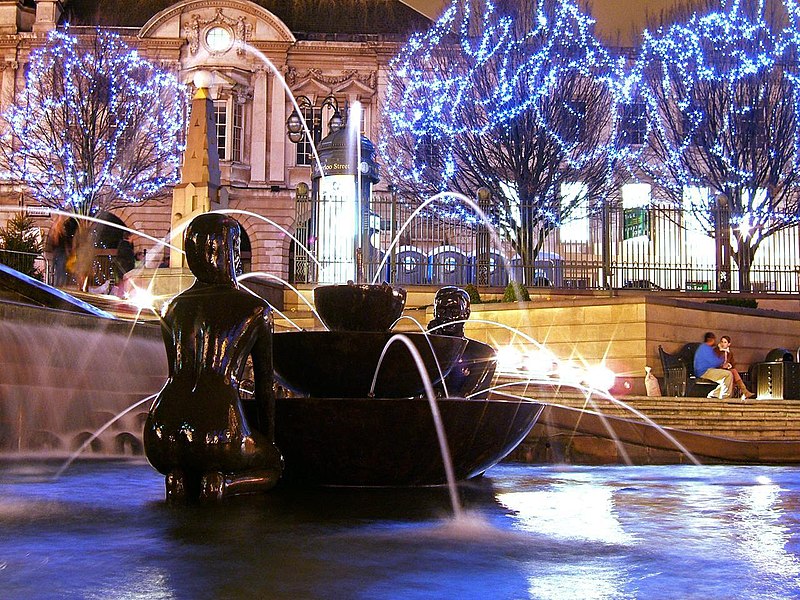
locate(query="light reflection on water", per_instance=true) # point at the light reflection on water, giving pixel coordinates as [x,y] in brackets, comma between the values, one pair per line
[102,531]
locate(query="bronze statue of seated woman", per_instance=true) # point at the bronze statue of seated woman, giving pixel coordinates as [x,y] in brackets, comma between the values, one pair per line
[196,433]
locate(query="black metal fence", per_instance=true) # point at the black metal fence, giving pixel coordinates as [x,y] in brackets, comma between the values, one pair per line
[33,265]
[650,247]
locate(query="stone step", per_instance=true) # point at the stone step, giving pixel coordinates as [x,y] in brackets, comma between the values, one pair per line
[713,424]
[644,402]
[745,425]
[750,420]
[712,413]
[722,412]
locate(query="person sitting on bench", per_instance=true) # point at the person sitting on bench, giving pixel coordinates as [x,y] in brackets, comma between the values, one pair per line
[710,365]
[724,350]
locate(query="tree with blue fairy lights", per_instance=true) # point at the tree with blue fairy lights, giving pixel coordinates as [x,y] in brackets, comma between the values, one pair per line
[721,95]
[96,127]
[517,97]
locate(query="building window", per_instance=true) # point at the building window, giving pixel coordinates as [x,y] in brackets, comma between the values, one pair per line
[695,127]
[751,126]
[574,202]
[364,121]
[305,153]
[317,120]
[429,154]
[636,221]
[229,138]
[573,119]
[633,128]
[238,130]
[699,246]
[219,39]
[221,117]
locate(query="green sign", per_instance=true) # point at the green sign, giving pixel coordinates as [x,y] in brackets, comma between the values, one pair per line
[635,222]
[697,286]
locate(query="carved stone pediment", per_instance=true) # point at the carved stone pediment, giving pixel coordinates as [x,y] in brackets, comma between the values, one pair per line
[368,82]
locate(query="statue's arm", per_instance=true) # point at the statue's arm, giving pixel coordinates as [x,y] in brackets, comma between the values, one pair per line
[168,335]
[263,374]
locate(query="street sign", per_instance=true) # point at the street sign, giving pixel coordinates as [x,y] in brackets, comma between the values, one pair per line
[635,222]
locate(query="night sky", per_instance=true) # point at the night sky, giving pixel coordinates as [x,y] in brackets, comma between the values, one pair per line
[618,21]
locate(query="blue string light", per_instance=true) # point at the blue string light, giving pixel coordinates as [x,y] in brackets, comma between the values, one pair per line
[725,49]
[722,92]
[96,126]
[527,58]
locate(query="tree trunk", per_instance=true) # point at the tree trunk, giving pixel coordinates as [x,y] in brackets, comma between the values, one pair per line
[528,246]
[744,260]
[83,253]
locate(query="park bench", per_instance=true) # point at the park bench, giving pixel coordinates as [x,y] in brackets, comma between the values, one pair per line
[679,376]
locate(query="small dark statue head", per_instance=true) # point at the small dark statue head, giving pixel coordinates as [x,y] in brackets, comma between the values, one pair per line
[198,433]
[450,310]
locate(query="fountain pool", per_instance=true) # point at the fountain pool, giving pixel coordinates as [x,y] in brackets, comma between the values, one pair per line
[102,530]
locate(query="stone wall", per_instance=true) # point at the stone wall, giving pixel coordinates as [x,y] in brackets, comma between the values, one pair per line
[624,332]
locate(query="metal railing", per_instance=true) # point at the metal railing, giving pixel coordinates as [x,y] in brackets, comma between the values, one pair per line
[39,267]
[654,248]
[29,263]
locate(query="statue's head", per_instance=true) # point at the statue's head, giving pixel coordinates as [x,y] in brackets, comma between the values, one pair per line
[450,305]
[212,244]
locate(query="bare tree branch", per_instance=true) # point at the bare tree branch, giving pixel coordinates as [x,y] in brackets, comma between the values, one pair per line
[96,127]
[521,106]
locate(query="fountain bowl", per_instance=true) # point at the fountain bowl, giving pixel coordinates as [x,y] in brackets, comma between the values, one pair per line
[359,307]
[341,364]
[474,370]
[380,442]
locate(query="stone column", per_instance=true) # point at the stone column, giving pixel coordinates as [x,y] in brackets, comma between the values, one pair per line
[258,147]
[48,12]
[8,86]
[277,131]
[198,191]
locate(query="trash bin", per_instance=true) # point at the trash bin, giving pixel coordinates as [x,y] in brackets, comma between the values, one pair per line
[778,380]
[779,355]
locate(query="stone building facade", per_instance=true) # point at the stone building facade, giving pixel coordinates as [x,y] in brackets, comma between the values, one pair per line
[259,55]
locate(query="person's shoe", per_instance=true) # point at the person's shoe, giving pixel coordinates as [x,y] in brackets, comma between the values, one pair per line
[748,394]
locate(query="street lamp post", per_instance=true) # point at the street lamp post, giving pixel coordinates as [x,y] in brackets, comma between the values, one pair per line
[342,174]
[298,127]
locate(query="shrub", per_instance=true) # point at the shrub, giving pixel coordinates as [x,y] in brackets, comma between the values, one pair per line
[516,292]
[474,294]
[741,302]
[21,245]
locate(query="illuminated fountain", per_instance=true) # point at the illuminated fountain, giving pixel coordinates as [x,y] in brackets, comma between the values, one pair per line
[360,413]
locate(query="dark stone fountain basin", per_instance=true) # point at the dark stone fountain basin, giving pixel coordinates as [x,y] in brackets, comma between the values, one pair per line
[474,370]
[359,306]
[393,441]
[341,364]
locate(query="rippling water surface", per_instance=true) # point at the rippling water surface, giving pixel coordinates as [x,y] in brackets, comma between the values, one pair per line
[103,531]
